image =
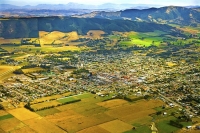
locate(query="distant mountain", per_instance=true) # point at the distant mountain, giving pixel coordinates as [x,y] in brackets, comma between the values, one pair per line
[30,27]
[170,14]
[72,5]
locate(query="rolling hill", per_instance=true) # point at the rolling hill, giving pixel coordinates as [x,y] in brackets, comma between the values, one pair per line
[170,14]
[30,27]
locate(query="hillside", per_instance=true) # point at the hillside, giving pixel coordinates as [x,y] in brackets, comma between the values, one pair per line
[170,14]
[30,27]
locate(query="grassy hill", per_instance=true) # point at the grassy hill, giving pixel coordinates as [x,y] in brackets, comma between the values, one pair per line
[170,14]
[30,27]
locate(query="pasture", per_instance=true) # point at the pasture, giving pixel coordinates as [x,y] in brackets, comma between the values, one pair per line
[91,114]
[93,130]
[41,125]
[113,126]
[95,34]
[6,71]
[56,37]
[22,114]
[31,70]
[40,106]
[11,124]
[143,39]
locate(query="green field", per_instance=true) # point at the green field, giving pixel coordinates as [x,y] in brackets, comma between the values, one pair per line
[4,117]
[82,96]
[141,129]
[47,112]
[143,39]
[67,100]
[164,126]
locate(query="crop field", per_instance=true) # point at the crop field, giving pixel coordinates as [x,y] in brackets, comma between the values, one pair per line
[56,37]
[10,124]
[91,114]
[47,112]
[93,130]
[43,99]
[6,71]
[7,41]
[112,103]
[15,41]
[44,105]
[4,117]
[24,129]
[140,109]
[94,34]
[67,99]
[143,39]
[74,125]
[22,114]
[31,70]
[113,126]
[2,112]
[41,125]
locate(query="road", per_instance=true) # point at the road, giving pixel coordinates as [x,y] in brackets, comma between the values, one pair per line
[175,103]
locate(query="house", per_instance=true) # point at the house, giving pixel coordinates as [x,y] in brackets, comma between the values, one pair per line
[198,127]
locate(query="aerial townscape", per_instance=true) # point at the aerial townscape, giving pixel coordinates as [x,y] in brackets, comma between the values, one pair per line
[110,68]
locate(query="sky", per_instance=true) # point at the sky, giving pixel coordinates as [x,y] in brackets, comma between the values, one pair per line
[97,2]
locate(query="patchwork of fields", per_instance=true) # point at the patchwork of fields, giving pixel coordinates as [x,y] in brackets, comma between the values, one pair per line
[88,115]
[6,71]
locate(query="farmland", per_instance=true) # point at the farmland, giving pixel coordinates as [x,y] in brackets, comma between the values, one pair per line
[97,81]
[6,71]
[90,114]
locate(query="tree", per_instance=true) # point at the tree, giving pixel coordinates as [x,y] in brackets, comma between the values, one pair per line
[18,71]
[1,107]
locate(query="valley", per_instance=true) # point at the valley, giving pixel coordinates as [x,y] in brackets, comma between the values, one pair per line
[91,74]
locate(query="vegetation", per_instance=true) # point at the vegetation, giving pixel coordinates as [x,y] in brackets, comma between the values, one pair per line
[4,117]
[29,28]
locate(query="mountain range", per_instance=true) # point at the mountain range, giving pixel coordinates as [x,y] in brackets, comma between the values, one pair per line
[72,5]
[30,27]
[170,14]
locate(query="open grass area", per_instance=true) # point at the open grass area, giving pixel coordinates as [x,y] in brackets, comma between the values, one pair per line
[67,99]
[31,70]
[140,129]
[6,71]
[84,95]
[47,112]
[46,105]
[41,125]
[11,124]
[95,34]
[113,126]
[143,39]
[163,126]
[56,37]
[22,114]
[6,117]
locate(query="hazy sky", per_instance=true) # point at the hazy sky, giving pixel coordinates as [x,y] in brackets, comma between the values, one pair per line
[96,2]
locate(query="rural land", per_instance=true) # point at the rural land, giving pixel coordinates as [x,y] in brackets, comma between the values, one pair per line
[86,71]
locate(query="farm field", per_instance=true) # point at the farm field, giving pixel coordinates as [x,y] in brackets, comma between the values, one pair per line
[31,70]
[41,125]
[113,126]
[89,115]
[95,34]
[6,71]
[56,37]
[22,114]
[11,124]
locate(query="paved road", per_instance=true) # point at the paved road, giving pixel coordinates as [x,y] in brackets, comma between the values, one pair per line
[175,103]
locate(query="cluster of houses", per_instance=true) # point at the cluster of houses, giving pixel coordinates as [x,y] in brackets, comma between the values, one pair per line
[118,73]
